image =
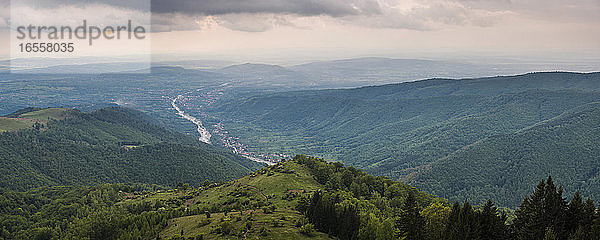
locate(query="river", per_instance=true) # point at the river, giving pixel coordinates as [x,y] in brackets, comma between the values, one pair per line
[204,134]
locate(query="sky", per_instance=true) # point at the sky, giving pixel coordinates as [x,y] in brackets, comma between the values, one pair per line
[318,29]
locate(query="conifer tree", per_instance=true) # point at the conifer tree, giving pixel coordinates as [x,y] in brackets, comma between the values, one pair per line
[411,224]
[467,221]
[575,213]
[491,224]
[544,209]
[595,232]
[453,230]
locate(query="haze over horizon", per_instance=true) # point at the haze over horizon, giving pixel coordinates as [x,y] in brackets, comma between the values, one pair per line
[285,31]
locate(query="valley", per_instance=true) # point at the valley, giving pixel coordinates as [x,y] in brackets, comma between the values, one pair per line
[456,140]
[401,130]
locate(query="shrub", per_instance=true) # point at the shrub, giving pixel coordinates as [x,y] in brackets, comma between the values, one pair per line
[308,229]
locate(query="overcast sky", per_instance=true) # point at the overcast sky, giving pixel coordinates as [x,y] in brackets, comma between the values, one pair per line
[344,28]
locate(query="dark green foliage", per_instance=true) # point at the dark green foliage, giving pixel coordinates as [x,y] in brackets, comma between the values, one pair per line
[335,209]
[329,215]
[86,148]
[356,205]
[491,224]
[545,214]
[411,223]
[462,222]
[108,212]
[503,167]
[80,213]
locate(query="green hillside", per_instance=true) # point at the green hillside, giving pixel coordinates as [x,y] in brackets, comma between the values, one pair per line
[503,167]
[262,205]
[301,198]
[26,118]
[107,146]
[399,130]
[48,113]
[12,124]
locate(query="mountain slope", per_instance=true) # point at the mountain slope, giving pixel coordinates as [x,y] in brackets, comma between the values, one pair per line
[108,145]
[503,167]
[388,129]
[400,129]
[262,205]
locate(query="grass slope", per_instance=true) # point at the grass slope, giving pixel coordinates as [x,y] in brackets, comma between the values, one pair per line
[48,113]
[269,186]
[26,118]
[12,124]
[262,205]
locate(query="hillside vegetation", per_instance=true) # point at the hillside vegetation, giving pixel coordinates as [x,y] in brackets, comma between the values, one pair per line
[302,198]
[111,145]
[262,205]
[501,167]
[28,117]
[400,130]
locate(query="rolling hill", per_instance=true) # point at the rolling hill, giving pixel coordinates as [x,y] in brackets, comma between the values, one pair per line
[400,129]
[262,205]
[502,166]
[301,198]
[110,145]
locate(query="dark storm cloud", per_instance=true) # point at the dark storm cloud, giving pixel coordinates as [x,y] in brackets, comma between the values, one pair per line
[130,4]
[261,15]
[300,7]
[335,8]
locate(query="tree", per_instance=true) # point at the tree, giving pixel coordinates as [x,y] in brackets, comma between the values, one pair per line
[436,216]
[411,224]
[544,209]
[575,213]
[595,232]
[490,223]
[468,221]
[386,230]
[453,228]
[369,229]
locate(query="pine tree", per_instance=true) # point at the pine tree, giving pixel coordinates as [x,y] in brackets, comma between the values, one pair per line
[436,220]
[468,221]
[411,224]
[587,219]
[579,234]
[575,213]
[369,230]
[491,224]
[595,232]
[556,208]
[545,208]
[453,230]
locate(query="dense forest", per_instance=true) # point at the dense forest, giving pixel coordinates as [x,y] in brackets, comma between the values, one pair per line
[111,145]
[403,130]
[352,213]
[334,202]
[497,167]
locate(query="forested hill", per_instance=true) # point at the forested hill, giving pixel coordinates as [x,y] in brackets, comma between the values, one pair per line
[501,167]
[45,147]
[399,130]
[301,198]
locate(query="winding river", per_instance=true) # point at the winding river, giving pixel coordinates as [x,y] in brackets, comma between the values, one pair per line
[204,134]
